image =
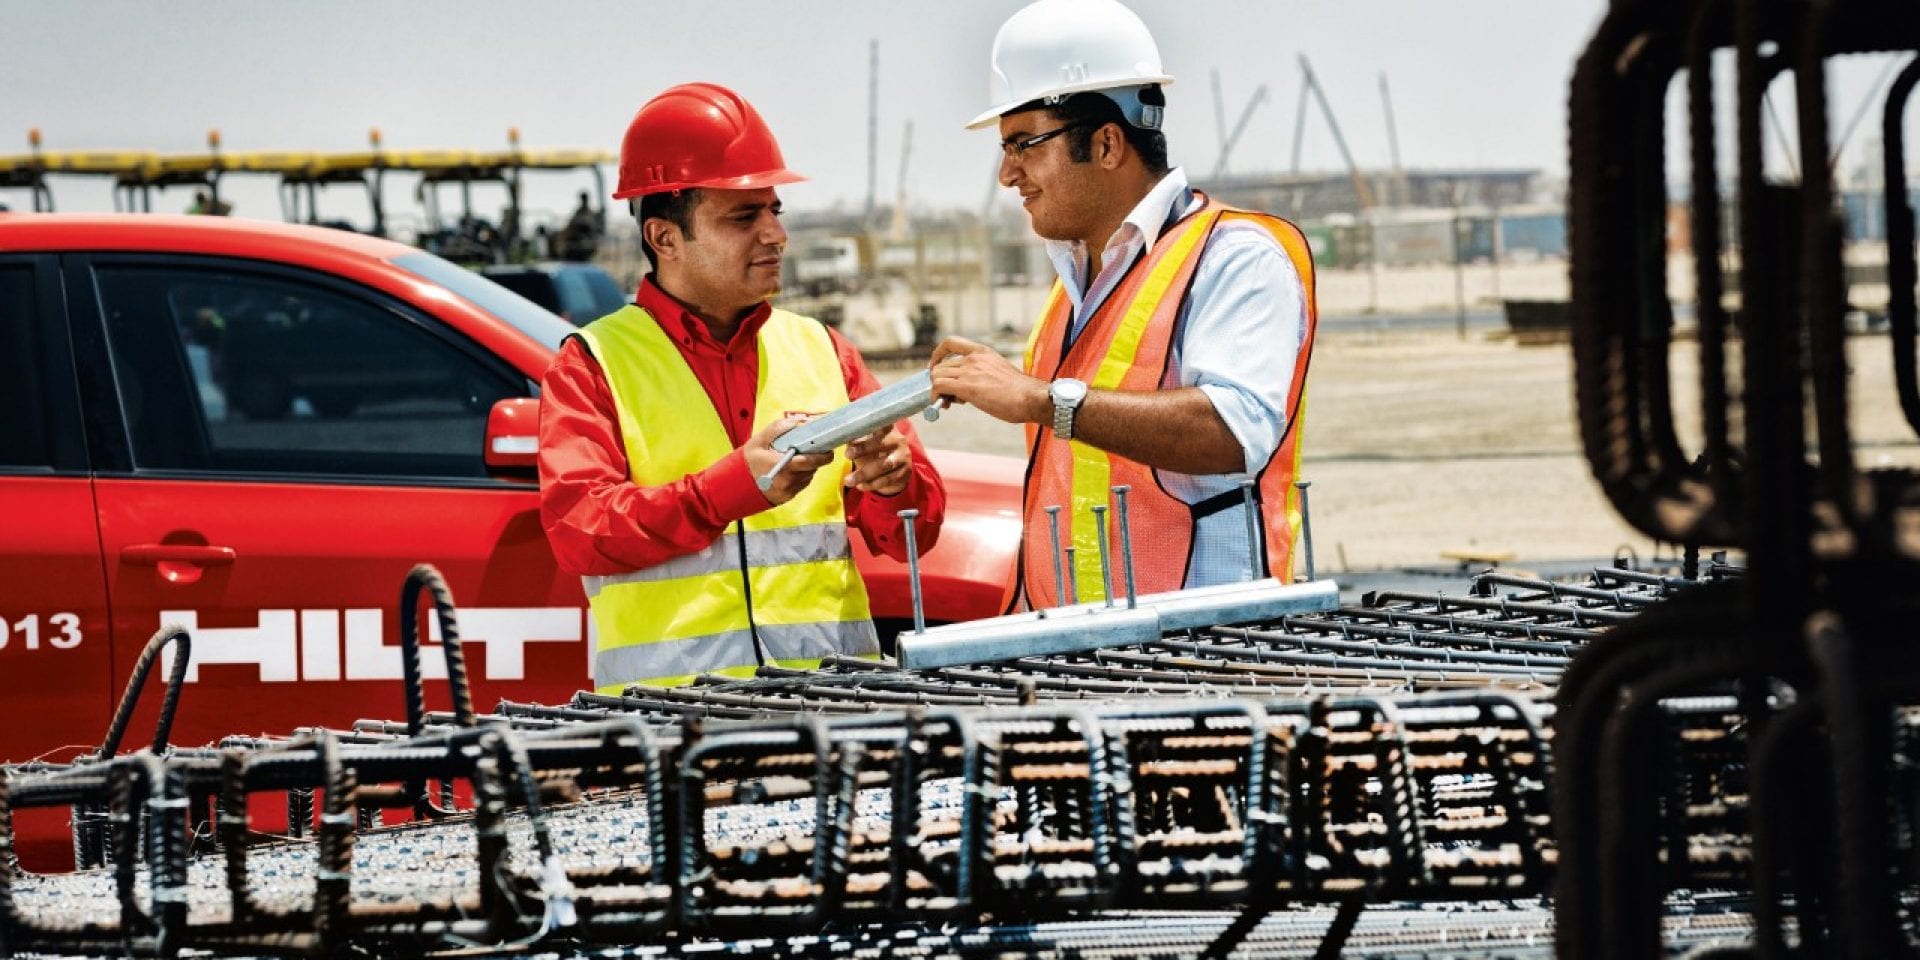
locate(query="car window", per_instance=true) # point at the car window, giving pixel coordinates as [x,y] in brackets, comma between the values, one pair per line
[529,284]
[23,427]
[234,371]
[517,311]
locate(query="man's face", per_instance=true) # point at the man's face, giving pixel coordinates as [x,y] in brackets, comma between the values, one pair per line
[1061,196]
[731,257]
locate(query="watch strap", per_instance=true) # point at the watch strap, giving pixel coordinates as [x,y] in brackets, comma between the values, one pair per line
[1063,411]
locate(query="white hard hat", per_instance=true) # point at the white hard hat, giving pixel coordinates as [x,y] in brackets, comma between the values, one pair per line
[1056,48]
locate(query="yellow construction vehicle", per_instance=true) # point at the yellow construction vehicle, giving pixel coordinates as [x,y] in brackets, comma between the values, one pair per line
[464,236]
[470,237]
[29,171]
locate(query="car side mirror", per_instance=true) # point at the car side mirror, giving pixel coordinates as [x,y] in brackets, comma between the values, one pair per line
[513,438]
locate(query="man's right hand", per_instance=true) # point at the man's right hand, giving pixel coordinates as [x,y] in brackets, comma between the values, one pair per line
[969,372]
[795,476]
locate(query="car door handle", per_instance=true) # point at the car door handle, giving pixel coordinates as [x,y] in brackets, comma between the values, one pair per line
[153,554]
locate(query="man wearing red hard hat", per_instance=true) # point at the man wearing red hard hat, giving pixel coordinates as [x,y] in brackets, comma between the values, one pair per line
[656,420]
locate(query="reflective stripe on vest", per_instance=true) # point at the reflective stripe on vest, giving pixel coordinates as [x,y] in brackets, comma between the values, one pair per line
[801,646]
[1126,345]
[768,548]
[690,615]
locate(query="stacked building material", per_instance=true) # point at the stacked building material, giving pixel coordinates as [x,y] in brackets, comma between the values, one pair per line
[1376,759]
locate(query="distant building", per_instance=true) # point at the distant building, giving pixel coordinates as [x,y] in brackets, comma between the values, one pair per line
[1311,196]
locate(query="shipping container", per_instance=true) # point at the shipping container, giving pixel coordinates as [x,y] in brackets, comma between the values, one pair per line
[1533,232]
[1321,240]
[1353,242]
[1478,240]
[1866,213]
[1412,237]
[1679,228]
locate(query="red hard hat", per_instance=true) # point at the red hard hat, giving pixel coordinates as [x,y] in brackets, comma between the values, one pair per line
[699,135]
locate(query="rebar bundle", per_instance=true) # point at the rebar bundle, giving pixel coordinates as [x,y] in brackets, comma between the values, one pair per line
[611,831]
[1810,643]
[1335,758]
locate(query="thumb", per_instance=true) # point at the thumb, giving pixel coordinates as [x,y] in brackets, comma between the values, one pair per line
[763,437]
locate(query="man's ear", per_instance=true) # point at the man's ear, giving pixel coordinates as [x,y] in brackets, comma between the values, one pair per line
[664,236]
[1109,146]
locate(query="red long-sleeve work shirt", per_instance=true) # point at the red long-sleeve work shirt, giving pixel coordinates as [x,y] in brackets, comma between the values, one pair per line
[600,522]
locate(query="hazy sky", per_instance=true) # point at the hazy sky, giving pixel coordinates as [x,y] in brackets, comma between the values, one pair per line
[1474,82]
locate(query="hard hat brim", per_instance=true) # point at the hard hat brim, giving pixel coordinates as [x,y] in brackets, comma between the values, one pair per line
[1088,86]
[752,181]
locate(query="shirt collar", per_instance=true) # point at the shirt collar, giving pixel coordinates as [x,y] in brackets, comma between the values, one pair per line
[686,328]
[1157,207]
[1142,225]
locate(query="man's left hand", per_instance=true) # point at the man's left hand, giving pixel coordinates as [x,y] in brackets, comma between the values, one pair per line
[882,462]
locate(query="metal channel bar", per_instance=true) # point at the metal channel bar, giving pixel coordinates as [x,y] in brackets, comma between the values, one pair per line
[1095,626]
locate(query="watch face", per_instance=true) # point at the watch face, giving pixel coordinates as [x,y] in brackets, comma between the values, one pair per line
[1068,390]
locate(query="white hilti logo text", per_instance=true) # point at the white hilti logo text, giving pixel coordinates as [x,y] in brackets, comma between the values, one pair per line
[295,645]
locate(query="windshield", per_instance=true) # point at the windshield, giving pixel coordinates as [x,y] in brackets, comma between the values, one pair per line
[523,314]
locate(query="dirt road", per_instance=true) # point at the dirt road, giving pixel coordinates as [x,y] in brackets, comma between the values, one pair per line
[1420,443]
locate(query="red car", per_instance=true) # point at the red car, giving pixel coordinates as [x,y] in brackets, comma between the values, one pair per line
[254,430]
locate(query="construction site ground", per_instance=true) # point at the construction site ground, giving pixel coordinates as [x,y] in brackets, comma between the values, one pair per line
[1420,443]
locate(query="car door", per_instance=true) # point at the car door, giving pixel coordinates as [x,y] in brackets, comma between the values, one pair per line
[55,654]
[294,444]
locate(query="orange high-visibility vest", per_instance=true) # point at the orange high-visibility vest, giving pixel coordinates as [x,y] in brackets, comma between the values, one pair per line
[1126,345]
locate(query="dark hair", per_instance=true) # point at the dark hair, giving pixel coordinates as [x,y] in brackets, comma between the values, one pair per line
[673,206]
[1090,111]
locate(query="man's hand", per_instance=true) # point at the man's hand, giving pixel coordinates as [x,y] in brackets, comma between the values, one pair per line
[882,462]
[795,476]
[969,372]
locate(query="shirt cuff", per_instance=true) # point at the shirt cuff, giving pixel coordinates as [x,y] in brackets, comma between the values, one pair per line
[1258,437]
[878,517]
[731,488]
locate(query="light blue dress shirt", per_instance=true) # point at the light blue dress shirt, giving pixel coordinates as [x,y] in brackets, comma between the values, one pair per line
[1237,338]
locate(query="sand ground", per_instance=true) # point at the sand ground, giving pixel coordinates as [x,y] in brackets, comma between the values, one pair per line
[1419,443]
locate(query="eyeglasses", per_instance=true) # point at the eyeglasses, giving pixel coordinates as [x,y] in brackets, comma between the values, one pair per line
[1015,148]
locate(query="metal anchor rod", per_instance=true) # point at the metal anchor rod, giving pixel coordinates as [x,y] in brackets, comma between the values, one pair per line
[913,570]
[1306,524]
[1126,540]
[1256,569]
[1100,527]
[1053,530]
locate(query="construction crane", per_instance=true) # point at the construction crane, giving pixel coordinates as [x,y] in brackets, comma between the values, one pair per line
[1393,143]
[1219,112]
[873,127]
[899,229]
[1229,138]
[1310,83]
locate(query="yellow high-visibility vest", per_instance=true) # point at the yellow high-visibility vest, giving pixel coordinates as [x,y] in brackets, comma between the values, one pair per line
[779,587]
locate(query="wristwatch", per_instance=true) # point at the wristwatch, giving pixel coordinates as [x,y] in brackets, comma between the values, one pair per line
[1067,394]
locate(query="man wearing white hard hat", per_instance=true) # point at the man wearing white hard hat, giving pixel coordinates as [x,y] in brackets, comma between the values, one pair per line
[1172,354]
